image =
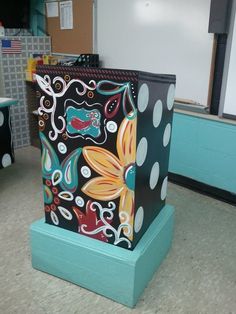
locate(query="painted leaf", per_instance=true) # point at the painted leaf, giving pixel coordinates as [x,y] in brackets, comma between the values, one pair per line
[47,195]
[112,106]
[90,223]
[65,174]
[66,195]
[54,218]
[65,212]
[106,87]
[56,177]
[49,158]
[70,172]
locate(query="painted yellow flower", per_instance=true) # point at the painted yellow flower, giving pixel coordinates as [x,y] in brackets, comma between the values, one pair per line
[117,174]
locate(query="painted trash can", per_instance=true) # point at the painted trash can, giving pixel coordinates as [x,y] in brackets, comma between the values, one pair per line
[105,137]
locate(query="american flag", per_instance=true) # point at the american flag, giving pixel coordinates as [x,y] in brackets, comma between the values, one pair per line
[11,46]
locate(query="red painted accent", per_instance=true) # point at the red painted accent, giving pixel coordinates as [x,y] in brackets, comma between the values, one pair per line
[113,104]
[47,209]
[56,200]
[53,207]
[54,190]
[48,183]
[91,221]
[80,124]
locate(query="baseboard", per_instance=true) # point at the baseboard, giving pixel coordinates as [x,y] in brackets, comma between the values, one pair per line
[203,188]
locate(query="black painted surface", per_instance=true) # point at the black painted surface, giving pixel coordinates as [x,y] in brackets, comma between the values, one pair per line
[150,199]
[220,11]
[63,88]
[218,73]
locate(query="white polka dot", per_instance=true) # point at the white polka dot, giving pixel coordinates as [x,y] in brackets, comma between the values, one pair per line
[170,96]
[142,151]
[62,148]
[157,113]
[164,188]
[111,126]
[6,160]
[166,136]
[79,201]
[143,97]
[154,175]
[1,118]
[86,172]
[138,222]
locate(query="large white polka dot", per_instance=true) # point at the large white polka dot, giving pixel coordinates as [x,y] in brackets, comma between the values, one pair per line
[6,160]
[164,188]
[138,221]
[143,97]
[154,175]
[142,151]
[157,113]
[166,136]
[1,118]
[170,96]
[86,172]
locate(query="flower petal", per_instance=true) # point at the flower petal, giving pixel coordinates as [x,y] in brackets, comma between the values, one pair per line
[126,141]
[103,162]
[103,189]
[126,211]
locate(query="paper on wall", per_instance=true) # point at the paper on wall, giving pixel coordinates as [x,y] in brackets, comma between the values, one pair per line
[66,15]
[52,9]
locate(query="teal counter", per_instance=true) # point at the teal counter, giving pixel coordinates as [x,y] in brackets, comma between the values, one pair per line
[203,149]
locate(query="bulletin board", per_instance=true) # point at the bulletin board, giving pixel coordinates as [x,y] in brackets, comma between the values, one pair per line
[80,38]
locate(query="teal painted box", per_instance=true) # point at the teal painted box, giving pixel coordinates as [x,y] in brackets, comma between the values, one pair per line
[114,272]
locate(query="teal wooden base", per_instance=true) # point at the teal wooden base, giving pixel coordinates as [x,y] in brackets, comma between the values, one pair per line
[114,272]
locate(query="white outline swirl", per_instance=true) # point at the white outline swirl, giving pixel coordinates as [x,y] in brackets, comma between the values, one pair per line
[107,227]
[45,84]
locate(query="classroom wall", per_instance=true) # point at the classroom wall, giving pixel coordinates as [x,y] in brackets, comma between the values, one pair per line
[158,36]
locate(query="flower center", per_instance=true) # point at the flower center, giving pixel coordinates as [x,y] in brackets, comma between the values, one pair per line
[130,177]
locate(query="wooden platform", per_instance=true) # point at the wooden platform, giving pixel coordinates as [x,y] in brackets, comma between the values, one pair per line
[114,272]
